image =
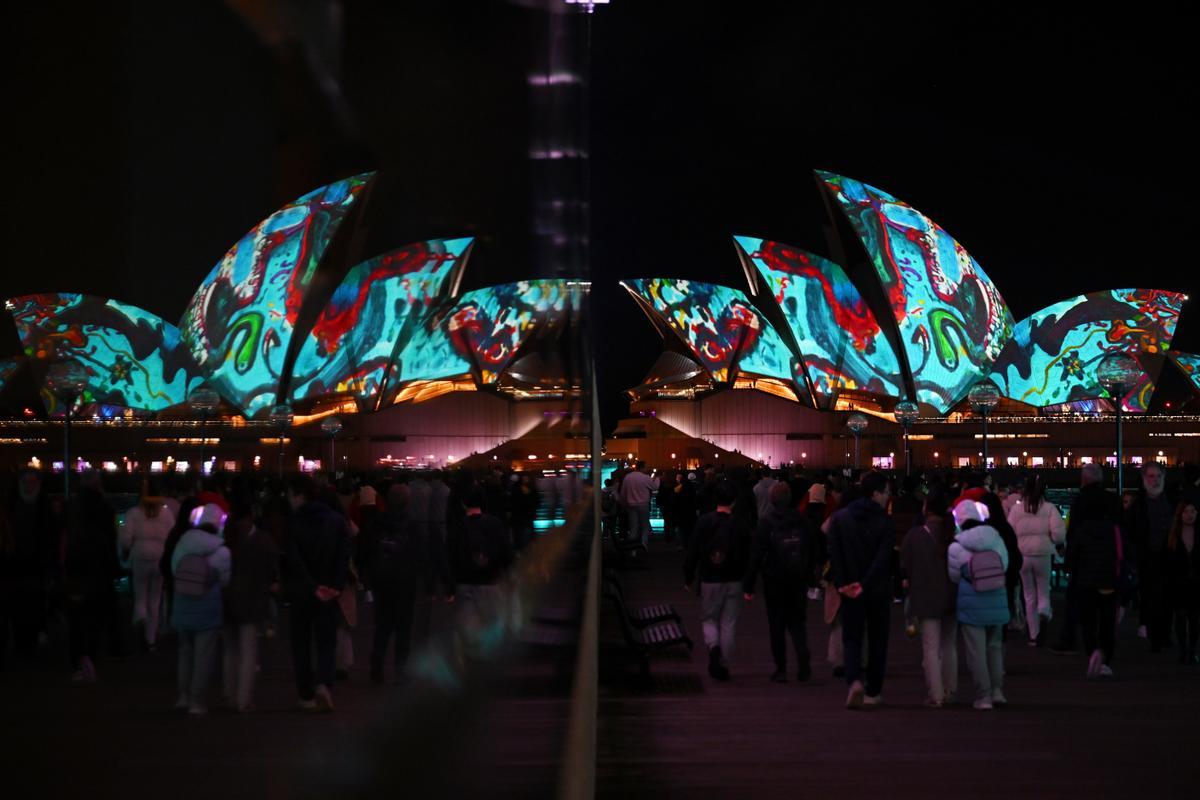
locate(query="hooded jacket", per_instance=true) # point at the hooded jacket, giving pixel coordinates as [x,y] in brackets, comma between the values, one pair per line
[316,552]
[931,594]
[977,608]
[861,539]
[205,612]
[1039,532]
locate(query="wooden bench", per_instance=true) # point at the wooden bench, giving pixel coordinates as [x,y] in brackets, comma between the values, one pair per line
[641,616]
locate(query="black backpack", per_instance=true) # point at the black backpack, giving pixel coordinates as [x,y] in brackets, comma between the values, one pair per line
[790,543]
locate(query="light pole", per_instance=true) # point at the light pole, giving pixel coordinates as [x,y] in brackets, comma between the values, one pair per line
[906,413]
[983,397]
[282,416]
[204,401]
[1117,372]
[67,380]
[332,426]
[857,423]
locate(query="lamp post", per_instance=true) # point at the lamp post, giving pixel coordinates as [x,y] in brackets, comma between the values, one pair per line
[332,426]
[983,397]
[906,413]
[857,423]
[67,380]
[1118,372]
[204,401]
[282,416]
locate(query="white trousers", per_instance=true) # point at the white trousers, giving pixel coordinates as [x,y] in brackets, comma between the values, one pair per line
[1035,583]
[147,596]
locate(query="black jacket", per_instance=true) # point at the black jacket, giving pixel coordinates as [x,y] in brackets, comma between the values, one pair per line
[90,563]
[1141,532]
[255,567]
[316,550]
[713,529]
[478,550]
[1092,533]
[861,539]
[765,559]
[403,552]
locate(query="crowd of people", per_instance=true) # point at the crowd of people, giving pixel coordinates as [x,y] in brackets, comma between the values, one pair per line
[212,562]
[971,561]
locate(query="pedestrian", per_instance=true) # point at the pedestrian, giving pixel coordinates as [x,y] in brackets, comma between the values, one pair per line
[764,480]
[1012,574]
[201,567]
[479,553]
[861,540]
[932,598]
[1182,569]
[90,566]
[142,540]
[28,564]
[685,508]
[1092,495]
[719,553]
[785,551]
[316,569]
[1040,529]
[1148,523]
[977,561]
[1095,550]
[636,491]
[255,574]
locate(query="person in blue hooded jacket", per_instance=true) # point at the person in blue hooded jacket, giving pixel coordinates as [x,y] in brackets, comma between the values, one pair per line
[202,567]
[982,615]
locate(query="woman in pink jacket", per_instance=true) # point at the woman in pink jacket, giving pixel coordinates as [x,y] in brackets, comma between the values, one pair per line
[1040,529]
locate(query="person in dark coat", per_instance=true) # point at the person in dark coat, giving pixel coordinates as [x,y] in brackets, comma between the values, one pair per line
[1012,575]
[931,598]
[1093,501]
[90,566]
[28,564]
[1148,523]
[860,541]
[1095,549]
[247,600]
[316,569]
[1182,570]
[785,551]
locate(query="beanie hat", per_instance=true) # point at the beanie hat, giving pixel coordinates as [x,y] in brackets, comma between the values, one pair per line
[209,514]
[816,493]
[969,510]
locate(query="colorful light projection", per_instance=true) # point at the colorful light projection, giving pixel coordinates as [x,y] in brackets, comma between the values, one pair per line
[240,321]
[717,324]
[1053,355]
[840,341]
[379,304]
[8,368]
[952,321]
[1189,365]
[134,358]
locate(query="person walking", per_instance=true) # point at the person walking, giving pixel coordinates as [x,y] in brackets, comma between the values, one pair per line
[1182,569]
[479,553]
[316,569]
[785,550]
[636,490]
[201,567]
[1040,529]
[719,553]
[977,561]
[861,540]
[1095,550]
[1092,495]
[932,598]
[142,540]
[1012,574]
[90,566]
[1148,524]
[28,563]
[247,600]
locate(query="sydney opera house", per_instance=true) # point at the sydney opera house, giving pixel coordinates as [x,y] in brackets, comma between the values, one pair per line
[290,327]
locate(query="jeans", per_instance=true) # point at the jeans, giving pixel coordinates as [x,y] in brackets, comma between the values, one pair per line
[985,658]
[394,603]
[639,523]
[240,662]
[872,612]
[147,596]
[720,605]
[786,612]
[1098,615]
[197,653]
[313,620]
[1035,583]
[939,656]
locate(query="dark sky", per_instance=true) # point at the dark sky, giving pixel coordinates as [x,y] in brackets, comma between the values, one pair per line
[1053,146]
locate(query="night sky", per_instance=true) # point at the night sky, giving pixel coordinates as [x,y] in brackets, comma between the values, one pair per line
[1053,146]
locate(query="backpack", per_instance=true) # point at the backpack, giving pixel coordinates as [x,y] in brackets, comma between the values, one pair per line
[791,551]
[986,571]
[193,576]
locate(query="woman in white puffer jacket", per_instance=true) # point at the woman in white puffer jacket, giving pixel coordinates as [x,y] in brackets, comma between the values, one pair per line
[142,538]
[1040,529]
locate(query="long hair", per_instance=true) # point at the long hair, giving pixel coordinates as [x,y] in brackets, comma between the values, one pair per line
[1176,535]
[1035,492]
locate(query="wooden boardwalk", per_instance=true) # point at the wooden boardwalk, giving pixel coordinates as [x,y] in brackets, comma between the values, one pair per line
[684,735]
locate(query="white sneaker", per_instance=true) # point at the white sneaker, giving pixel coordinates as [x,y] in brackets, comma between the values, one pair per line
[307,705]
[998,698]
[197,710]
[1094,663]
[873,701]
[1142,634]
[854,699]
[983,704]
[1105,671]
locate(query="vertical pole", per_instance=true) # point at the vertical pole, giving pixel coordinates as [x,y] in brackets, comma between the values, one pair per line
[907,454]
[1120,453]
[281,454]
[203,419]
[985,441]
[857,464]
[333,456]
[67,452]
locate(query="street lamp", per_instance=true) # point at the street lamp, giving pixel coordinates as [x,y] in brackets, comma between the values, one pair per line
[857,423]
[204,401]
[282,416]
[67,380]
[906,413]
[984,397]
[1117,373]
[332,426]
